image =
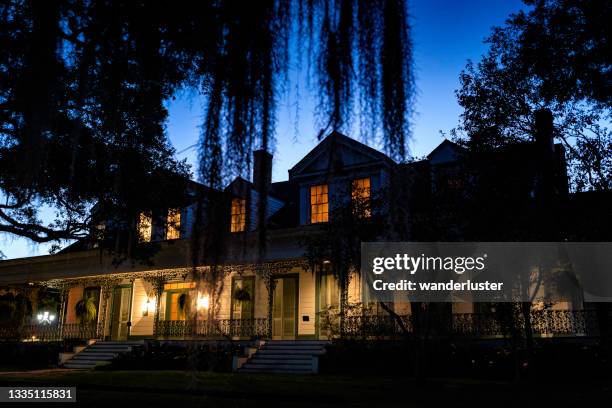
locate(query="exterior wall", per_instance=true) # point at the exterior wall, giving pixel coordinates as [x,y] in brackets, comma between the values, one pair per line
[261,298]
[306,302]
[142,325]
[74,295]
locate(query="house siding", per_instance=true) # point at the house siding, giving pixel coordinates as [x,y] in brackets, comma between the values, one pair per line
[306,303]
[141,325]
[74,295]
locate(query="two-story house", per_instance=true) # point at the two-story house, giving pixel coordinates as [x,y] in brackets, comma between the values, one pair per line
[242,294]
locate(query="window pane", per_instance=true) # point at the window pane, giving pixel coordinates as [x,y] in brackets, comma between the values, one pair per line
[318,204]
[238,215]
[173,224]
[145,227]
[360,194]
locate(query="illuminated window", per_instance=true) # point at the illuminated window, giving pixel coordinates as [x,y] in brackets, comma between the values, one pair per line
[145,228]
[360,194]
[179,297]
[173,224]
[238,221]
[179,285]
[319,204]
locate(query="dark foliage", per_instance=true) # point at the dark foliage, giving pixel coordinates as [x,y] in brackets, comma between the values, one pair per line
[554,56]
[33,355]
[488,359]
[83,87]
[214,356]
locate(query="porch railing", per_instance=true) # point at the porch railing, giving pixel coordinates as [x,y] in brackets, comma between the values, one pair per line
[544,323]
[221,328]
[51,332]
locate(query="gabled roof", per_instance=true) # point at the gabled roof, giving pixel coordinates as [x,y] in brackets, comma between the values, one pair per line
[239,187]
[336,143]
[446,151]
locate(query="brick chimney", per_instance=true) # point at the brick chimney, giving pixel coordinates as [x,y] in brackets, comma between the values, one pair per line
[546,220]
[544,130]
[262,169]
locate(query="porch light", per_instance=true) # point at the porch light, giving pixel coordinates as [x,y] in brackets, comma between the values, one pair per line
[45,317]
[148,306]
[327,261]
[203,301]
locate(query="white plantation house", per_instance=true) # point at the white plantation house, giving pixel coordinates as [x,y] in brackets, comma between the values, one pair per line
[282,296]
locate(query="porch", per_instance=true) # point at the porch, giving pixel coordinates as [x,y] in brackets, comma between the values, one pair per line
[282,300]
[545,324]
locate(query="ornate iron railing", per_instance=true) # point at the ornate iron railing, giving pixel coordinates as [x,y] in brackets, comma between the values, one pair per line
[544,323]
[51,332]
[220,328]
[375,326]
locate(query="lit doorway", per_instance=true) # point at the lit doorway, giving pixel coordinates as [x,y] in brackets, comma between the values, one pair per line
[284,308]
[122,304]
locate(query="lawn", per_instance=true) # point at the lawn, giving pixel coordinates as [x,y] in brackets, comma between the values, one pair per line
[168,388]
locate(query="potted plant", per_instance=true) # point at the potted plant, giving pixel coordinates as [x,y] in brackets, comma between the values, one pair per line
[86,310]
[242,294]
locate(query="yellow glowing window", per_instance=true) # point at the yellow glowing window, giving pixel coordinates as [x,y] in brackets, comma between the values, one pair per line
[145,227]
[238,221]
[360,194]
[319,204]
[179,285]
[173,224]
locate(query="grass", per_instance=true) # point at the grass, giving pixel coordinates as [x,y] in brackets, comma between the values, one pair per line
[168,388]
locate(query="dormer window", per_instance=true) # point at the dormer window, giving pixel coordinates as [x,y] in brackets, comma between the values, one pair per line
[145,227]
[319,204]
[238,215]
[173,224]
[360,194]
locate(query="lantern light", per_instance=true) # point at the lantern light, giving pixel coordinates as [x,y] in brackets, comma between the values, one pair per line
[203,301]
[45,317]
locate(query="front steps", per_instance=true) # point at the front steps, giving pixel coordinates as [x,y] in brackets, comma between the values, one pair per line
[100,352]
[285,356]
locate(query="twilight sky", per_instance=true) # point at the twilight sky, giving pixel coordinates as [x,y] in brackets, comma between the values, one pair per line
[446,33]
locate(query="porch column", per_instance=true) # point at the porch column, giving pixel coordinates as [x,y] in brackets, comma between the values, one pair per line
[61,320]
[106,290]
[271,286]
[158,287]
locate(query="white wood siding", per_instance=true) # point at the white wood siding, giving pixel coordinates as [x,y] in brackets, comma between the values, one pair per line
[142,325]
[306,302]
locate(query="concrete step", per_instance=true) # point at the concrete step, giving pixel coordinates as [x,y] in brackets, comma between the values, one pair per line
[105,347]
[290,352]
[279,367]
[282,357]
[92,358]
[273,371]
[100,352]
[292,349]
[320,343]
[296,363]
[293,345]
[75,364]
[285,356]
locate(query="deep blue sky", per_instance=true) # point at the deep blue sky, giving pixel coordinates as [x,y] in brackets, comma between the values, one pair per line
[445,34]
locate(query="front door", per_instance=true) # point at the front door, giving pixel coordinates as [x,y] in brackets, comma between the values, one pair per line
[122,299]
[284,308]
